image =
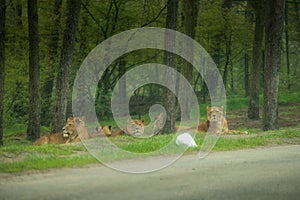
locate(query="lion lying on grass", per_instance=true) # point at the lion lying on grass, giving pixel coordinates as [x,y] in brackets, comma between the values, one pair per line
[73,131]
[76,131]
[134,128]
[68,135]
[216,122]
[55,138]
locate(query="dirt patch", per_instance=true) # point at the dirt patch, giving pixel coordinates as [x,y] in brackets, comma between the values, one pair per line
[289,115]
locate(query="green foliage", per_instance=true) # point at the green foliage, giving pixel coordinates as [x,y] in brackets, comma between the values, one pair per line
[99,20]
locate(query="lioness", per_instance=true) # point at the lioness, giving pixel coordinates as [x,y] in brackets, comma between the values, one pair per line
[134,127]
[73,128]
[103,131]
[56,138]
[216,122]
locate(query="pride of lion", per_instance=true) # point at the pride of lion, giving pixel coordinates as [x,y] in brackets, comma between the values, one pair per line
[75,130]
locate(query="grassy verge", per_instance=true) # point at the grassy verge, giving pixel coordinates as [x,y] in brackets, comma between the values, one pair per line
[16,158]
[19,154]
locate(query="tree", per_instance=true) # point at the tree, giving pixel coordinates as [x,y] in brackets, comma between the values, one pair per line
[169,100]
[273,37]
[190,13]
[62,81]
[33,129]
[253,110]
[2,63]
[52,60]
[288,70]
[226,6]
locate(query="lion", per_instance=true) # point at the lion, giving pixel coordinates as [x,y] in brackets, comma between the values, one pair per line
[73,128]
[134,127]
[103,131]
[159,124]
[55,138]
[68,135]
[216,122]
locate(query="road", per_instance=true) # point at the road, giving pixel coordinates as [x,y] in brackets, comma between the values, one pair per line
[263,173]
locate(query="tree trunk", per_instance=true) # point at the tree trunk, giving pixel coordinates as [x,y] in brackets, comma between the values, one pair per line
[287,48]
[190,13]
[33,130]
[62,82]
[253,110]
[227,55]
[246,81]
[273,38]
[2,63]
[122,86]
[226,5]
[50,68]
[169,100]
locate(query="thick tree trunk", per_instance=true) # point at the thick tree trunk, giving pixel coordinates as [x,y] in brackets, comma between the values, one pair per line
[2,63]
[273,38]
[33,130]
[62,82]
[190,13]
[52,63]
[169,99]
[253,110]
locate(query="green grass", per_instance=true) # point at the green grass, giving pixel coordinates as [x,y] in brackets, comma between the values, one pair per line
[19,154]
[40,162]
[27,157]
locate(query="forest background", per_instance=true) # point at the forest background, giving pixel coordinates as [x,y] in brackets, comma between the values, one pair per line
[226,29]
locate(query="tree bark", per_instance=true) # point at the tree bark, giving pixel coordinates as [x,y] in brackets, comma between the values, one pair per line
[190,13]
[169,99]
[51,67]
[253,109]
[33,130]
[287,48]
[246,81]
[2,63]
[273,38]
[62,82]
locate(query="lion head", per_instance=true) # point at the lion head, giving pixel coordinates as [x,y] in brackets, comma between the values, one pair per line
[72,126]
[215,119]
[135,127]
[215,113]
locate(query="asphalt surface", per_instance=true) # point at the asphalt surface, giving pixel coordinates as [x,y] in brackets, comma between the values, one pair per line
[263,173]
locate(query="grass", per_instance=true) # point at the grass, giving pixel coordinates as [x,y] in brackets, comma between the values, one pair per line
[19,154]
[27,157]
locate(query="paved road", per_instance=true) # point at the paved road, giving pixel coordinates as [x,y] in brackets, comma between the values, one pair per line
[264,173]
